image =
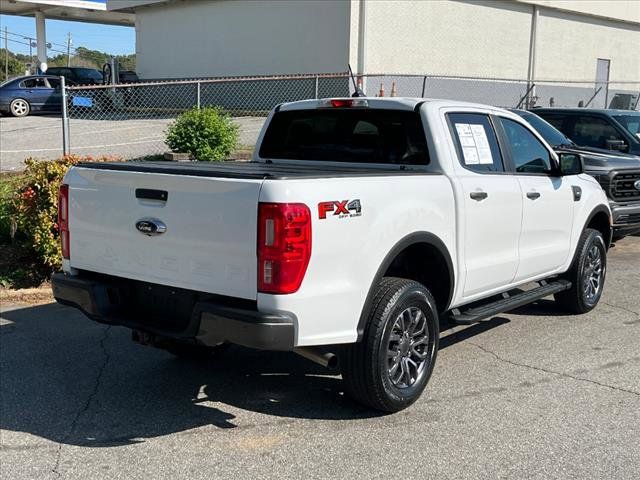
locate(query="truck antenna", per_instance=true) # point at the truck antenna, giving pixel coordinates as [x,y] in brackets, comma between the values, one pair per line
[357,91]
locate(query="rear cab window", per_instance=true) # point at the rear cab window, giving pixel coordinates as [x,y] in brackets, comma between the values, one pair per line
[350,135]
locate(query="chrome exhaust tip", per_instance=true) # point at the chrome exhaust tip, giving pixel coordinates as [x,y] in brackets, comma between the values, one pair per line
[327,360]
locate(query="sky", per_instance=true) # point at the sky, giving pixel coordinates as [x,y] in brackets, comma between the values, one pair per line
[106,38]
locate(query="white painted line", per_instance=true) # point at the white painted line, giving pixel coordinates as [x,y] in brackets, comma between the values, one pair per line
[150,140]
[32,150]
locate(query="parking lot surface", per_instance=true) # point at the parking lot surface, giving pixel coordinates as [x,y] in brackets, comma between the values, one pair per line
[530,394]
[40,136]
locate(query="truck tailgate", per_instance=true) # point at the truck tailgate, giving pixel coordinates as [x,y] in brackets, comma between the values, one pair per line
[210,240]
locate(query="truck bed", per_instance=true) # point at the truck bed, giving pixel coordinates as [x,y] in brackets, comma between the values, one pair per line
[256,170]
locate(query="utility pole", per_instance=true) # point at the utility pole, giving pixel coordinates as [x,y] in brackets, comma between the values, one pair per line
[69,49]
[6,53]
[32,44]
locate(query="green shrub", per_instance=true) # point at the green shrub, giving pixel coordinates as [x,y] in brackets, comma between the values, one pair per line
[8,184]
[33,207]
[205,133]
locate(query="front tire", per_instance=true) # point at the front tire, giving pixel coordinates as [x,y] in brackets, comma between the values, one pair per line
[391,366]
[587,274]
[19,107]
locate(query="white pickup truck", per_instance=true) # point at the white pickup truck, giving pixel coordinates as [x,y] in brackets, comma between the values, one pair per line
[359,226]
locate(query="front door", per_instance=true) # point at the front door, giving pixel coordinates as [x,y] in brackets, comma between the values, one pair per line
[548,203]
[54,99]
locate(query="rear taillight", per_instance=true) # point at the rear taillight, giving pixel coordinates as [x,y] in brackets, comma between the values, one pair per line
[284,246]
[63,219]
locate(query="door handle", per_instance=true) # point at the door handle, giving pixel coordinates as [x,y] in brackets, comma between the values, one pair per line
[533,195]
[479,196]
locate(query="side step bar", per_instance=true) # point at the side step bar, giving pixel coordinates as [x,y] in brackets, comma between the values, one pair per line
[507,302]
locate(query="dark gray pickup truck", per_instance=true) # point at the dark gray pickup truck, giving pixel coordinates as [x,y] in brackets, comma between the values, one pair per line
[618,173]
[607,129]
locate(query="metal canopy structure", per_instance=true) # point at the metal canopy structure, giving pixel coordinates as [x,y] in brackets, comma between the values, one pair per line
[70,10]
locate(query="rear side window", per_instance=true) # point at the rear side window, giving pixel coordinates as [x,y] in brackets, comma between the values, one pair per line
[476,142]
[556,120]
[35,83]
[360,135]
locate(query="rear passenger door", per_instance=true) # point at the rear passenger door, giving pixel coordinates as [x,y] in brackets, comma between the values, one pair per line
[491,212]
[548,201]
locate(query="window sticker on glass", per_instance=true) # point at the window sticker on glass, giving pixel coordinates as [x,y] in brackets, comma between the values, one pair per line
[475,144]
[470,155]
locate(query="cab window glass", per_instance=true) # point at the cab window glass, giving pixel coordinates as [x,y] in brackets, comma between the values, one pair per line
[529,154]
[362,135]
[630,122]
[593,132]
[34,83]
[476,142]
[556,120]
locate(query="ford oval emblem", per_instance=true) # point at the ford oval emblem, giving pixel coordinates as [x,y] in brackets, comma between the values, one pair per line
[637,184]
[151,226]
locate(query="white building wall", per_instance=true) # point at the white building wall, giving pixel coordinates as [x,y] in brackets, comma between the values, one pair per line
[463,38]
[492,38]
[569,46]
[624,10]
[448,37]
[220,38]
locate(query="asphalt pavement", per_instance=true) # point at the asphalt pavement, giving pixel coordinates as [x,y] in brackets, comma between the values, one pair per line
[531,394]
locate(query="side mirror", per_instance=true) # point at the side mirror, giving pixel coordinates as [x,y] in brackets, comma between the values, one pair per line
[618,145]
[570,164]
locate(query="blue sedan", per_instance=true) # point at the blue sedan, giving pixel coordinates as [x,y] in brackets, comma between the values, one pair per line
[23,95]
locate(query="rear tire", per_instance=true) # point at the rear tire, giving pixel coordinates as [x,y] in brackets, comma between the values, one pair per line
[391,366]
[19,107]
[587,274]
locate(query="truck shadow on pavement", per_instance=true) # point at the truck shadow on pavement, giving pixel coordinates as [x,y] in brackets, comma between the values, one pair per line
[73,381]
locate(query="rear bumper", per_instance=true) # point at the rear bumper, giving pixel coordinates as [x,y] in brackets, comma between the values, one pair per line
[209,322]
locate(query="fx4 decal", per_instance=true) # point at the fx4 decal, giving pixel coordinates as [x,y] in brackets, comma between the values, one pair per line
[340,208]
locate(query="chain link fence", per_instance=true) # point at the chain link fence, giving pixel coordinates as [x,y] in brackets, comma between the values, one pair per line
[130,120]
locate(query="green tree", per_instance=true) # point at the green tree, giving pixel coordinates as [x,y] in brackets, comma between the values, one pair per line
[16,67]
